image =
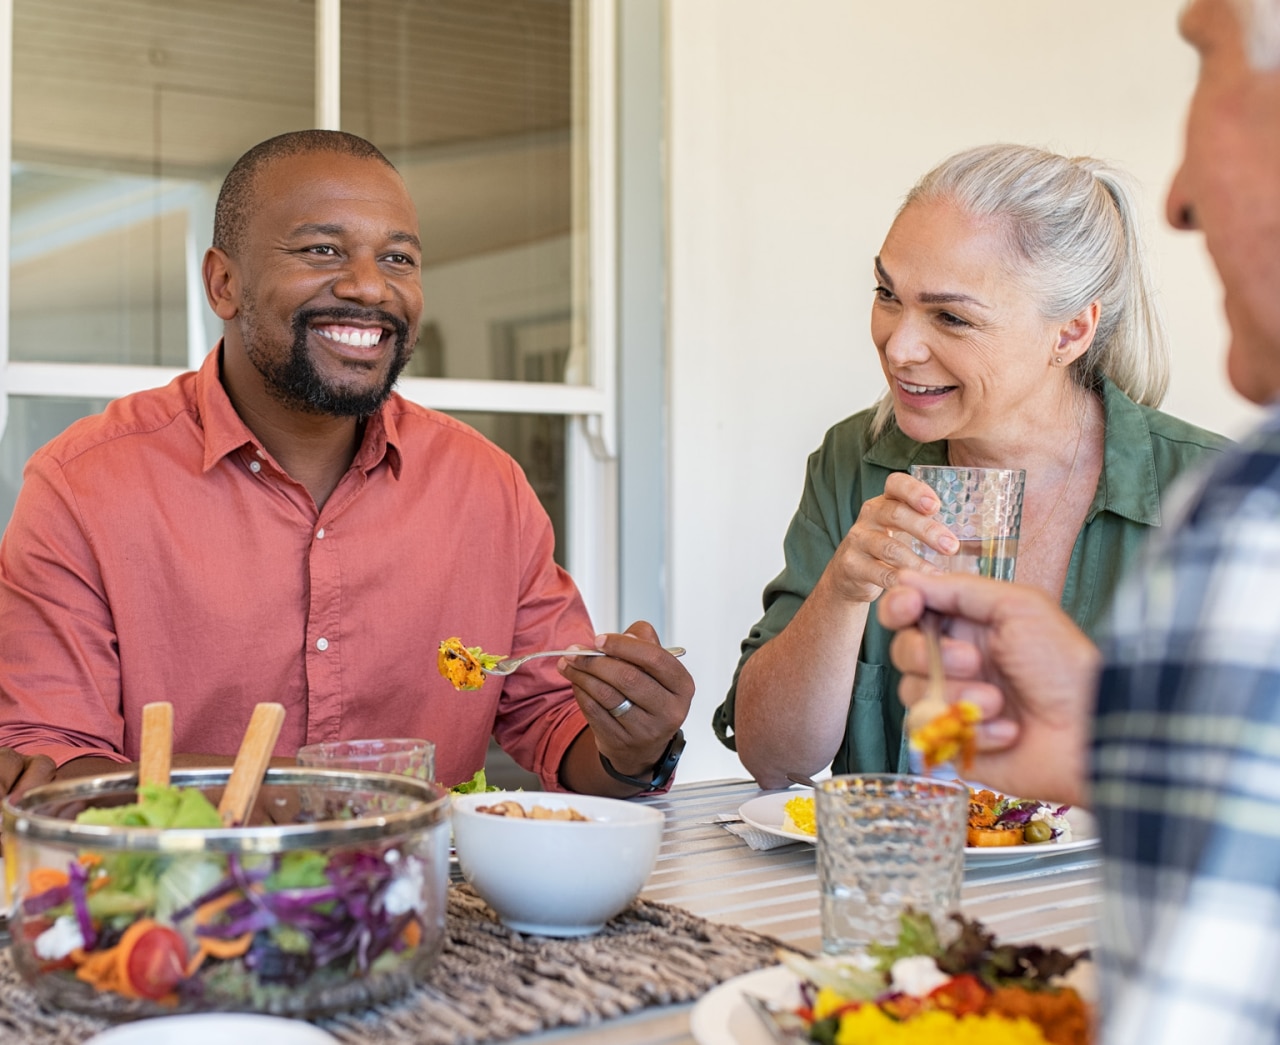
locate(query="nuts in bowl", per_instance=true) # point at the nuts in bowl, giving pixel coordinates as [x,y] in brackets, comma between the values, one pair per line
[546,873]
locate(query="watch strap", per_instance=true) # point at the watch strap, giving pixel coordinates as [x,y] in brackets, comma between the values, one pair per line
[662,771]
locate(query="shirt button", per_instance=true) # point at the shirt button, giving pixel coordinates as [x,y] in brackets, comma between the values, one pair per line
[255,466]
[320,534]
[322,644]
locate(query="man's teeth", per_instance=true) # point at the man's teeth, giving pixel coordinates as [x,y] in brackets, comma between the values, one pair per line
[920,390]
[359,337]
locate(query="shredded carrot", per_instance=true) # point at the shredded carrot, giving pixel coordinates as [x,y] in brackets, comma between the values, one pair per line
[412,934]
[42,879]
[90,859]
[214,948]
[125,948]
[100,970]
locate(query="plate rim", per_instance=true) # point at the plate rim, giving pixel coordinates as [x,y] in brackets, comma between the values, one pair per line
[711,1013]
[124,1032]
[774,829]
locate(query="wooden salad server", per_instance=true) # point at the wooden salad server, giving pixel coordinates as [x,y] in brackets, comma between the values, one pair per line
[157,744]
[251,763]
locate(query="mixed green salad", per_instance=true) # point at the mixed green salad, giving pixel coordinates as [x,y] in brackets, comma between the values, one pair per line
[221,930]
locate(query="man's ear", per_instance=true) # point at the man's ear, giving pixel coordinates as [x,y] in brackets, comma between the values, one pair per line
[221,284]
[1076,335]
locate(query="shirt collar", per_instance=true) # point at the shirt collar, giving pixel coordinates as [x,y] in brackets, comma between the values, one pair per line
[225,432]
[1128,487]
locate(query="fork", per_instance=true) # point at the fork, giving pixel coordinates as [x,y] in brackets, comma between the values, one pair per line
[784,1027]
[934,702]
[506,667]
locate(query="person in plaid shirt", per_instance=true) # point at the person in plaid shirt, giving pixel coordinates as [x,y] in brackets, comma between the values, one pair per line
[1171,730]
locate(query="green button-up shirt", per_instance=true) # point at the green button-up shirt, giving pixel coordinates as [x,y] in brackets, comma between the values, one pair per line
[1145,450]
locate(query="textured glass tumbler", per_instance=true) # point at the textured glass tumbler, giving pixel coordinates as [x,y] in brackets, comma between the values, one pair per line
[983,508]
[885,843]
[405,756]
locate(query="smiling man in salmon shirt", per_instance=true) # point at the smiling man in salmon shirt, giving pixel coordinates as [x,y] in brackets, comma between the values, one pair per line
[280,526]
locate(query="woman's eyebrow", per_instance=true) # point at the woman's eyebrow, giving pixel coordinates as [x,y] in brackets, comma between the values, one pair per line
[931,297]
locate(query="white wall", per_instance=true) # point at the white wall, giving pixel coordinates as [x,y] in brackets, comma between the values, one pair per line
[795,129]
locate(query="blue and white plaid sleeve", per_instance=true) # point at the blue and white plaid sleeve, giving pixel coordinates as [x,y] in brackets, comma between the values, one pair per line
[1187,770]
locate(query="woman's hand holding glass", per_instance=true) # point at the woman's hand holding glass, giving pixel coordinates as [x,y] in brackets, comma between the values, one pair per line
[878,544]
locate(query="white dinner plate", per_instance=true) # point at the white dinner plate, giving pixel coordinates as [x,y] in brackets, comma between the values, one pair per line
[1084,835]
[214,1028]
[766,812]
[721,1017]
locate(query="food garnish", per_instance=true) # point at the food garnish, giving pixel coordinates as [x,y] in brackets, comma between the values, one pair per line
[516,811]
[464,665]
[918,990]
[475,785]
[799,816]
[948,736]
[996,820]
[210,927]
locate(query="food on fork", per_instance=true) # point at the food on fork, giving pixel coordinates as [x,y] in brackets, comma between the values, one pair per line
[996,820]
[464,665]
[948,736]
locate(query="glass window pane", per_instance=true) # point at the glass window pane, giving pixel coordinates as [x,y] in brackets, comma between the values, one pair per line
[33,421]
[126,117]
[477,103]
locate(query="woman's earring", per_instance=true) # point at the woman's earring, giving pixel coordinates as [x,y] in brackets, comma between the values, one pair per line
[1057,361]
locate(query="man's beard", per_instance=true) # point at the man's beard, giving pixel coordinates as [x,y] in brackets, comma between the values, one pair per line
[295,381]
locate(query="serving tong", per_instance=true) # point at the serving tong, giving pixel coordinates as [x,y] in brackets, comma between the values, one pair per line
[251,761]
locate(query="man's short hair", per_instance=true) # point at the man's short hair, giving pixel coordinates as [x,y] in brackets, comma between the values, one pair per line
[236,199]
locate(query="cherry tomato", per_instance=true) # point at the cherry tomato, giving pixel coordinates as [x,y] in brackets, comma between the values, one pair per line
[961,995]
[157,962]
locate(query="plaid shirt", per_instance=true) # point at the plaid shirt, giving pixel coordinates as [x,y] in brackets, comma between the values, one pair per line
[1187,767]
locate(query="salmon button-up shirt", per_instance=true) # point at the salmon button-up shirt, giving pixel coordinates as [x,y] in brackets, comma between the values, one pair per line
[158,552]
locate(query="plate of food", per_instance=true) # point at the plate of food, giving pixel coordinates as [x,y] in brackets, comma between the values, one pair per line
[787,814]
[1005,830]
[858,996]
[998,837]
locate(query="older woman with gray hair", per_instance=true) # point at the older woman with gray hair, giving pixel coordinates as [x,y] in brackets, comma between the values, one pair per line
[1015,323]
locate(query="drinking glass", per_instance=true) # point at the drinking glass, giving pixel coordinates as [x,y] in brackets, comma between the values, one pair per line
[406,756]
[983,508]
[887,842]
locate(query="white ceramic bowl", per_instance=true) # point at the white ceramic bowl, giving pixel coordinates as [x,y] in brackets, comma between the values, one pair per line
[556,877]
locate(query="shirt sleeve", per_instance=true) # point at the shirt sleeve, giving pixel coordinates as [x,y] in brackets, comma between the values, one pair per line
[538,716]
[59,664]
[1187,773]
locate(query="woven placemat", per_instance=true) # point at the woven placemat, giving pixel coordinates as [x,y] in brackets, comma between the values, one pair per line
[492,983]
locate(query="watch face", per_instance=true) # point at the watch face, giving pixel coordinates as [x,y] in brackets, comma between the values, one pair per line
[669,760]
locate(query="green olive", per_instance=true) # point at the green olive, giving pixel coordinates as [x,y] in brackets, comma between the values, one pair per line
[1036,831]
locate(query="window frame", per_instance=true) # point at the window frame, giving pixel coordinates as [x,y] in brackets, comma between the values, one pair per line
[590,409]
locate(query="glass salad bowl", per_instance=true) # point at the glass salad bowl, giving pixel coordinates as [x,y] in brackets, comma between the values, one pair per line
[332,897]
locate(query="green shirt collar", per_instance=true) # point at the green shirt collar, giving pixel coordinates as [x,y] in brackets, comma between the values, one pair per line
[1128,486]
